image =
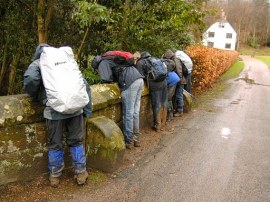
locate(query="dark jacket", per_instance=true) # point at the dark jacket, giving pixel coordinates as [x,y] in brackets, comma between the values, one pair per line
[126,75]
[33,86]
[178,66]
[143,69]
[105,69]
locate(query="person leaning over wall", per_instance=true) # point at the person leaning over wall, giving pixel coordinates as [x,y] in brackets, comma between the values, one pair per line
[158,93]
[130,82]
[179,96]
[38,82]
[172,80]
[186,60]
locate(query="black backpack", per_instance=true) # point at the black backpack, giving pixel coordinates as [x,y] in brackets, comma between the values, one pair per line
[119,71]
[184,68]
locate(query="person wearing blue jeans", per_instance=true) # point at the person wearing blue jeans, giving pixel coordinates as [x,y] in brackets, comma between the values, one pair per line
[130,82]
[131,102]
[57,123]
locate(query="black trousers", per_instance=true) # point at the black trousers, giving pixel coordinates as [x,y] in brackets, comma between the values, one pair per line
[74,132]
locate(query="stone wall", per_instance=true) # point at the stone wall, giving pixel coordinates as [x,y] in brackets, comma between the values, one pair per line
[23,141]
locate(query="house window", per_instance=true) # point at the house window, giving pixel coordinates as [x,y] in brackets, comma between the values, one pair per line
[211,34]
[227,45]
[228,35]
[210,44]
[221,25]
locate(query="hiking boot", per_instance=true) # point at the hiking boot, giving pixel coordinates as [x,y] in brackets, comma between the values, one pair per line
[54,181]
[128,145]
[155,128]
[178,114]
[81,177]
[137,144]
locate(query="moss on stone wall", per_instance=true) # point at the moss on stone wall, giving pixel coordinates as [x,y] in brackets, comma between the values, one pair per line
[104,142]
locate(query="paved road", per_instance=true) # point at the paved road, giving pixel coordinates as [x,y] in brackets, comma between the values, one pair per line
[220,152]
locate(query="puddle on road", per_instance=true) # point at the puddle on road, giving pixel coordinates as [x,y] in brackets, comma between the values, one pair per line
[250,81]
[247,80]
[225,132]
[236,101]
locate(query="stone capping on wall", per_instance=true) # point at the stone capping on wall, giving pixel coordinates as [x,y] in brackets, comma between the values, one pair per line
[19,109]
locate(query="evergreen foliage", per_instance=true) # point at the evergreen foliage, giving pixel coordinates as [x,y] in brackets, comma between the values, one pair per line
[92,27]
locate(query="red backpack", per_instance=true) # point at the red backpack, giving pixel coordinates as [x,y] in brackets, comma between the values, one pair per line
[126,55]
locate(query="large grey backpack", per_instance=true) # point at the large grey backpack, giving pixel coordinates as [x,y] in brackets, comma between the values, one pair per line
[62,79]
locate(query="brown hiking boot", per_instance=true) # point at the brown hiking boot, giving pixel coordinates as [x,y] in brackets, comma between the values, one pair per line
[178,114]
[128,145]
[137,144]
[54,181]
[81,177]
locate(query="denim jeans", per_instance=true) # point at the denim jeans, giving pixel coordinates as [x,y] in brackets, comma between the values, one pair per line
[159,99]
[131,102]
[179,97]
[187,86]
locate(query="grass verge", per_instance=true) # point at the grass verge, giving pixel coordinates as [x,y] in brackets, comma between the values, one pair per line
[233,71]
[265,59]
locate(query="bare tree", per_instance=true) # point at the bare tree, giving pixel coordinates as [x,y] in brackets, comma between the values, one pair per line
[250,19]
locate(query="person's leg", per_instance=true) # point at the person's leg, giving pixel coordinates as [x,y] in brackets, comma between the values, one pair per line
[74,128]
[55,150]
[155,97]
[187,86]
[136,116]
[164,106]
[128,100]
[179,99]
[171,91]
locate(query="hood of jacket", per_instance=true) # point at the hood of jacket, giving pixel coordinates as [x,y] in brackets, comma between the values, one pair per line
[39,50]
[145,54]
[168,54]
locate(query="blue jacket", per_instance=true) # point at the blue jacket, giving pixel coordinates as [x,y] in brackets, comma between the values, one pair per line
[33,86]
[172,78]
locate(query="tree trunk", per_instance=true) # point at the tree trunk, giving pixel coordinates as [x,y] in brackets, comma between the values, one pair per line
[82,44]
[12,74]
[238,36]
[124,24]
[44,22]
[4,67]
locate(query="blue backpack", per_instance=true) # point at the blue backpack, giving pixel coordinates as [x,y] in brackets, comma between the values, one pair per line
[157,70]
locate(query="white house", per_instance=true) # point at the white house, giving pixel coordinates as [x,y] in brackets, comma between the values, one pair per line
[220,35]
